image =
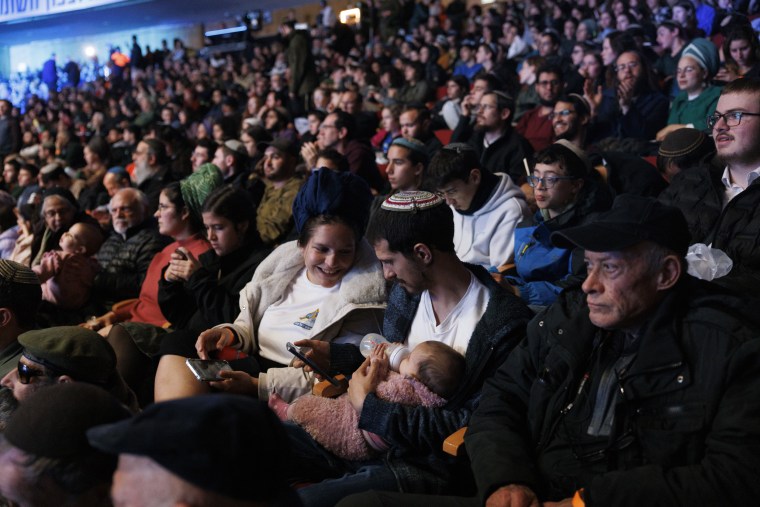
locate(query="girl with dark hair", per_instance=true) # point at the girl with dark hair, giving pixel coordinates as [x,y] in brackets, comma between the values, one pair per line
[199,293]
[325,286]
[741,52]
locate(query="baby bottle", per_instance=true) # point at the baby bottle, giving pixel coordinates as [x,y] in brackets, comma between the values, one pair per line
[396,351]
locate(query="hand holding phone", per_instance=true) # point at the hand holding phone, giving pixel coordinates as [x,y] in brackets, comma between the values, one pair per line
[207,370]
[296,351]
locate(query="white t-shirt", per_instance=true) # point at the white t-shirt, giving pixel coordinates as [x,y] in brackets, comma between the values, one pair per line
[291,318]
[456,330]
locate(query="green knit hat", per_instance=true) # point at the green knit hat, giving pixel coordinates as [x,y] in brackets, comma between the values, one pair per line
[196,187]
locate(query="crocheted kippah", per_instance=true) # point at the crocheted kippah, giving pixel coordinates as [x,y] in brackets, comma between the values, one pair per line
[682,142]
[196,187]
[14,272]
[416,200]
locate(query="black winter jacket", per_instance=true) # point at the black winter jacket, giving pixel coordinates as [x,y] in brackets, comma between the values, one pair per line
[124,262]
[211,295]
[735,229]
[688,405]
[505,155]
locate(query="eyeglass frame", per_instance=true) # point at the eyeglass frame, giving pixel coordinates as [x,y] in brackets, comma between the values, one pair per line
[564,112]
[714,118]
[629,66]
[548,182]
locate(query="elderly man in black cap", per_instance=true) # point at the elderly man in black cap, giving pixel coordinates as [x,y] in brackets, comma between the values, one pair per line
[59,355]
[642,391]
[214,450]
[45,458]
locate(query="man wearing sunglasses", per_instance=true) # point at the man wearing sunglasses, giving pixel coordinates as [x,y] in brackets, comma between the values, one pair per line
[721,200]
[59,355]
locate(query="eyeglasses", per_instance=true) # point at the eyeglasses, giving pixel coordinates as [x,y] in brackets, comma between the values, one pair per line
[164,207]
[564,113]
[553,82]
[732,119]
[325,126]
[25,373]
[547,182]
[629,66]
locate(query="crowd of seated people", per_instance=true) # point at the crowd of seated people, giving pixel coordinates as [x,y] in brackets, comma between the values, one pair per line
[562,193]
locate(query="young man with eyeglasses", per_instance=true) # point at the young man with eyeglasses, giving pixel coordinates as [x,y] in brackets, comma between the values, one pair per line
[721,200]
[634,108]
[487,207]
[536,125]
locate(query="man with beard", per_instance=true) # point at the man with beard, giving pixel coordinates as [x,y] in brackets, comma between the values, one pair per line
[434,296]
[721,201]
[499,147]
[535,125]
[151,173]
[635,108]
[624,173]
[232,158]
[126,254]
[274,215]
[415,124]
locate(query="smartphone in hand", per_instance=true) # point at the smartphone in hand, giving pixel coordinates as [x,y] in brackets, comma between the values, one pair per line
[207,370]
[300,355]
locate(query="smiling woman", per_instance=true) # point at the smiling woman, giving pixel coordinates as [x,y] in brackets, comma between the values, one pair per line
[325,286]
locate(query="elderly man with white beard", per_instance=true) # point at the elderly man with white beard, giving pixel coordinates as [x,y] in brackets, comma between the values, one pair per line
[126,253]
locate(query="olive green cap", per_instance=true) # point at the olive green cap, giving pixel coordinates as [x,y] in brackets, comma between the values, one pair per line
[81,353]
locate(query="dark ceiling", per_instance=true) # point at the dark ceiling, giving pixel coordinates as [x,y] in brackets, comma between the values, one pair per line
[132,14]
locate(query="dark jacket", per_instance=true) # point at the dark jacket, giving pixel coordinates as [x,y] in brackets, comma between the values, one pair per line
[416,434]
[361,162]
[646,116]
[629,174]
[211,295]
[505,155]
[686,415]
[152,187]
[124,262]
[735,229]
[303,74]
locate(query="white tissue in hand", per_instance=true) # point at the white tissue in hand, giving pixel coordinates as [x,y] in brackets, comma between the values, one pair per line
[708,263]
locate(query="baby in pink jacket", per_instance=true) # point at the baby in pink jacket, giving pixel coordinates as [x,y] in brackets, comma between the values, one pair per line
[67,274]
[427,377]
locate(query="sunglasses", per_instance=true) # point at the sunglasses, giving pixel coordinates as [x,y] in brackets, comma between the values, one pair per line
[26,372]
